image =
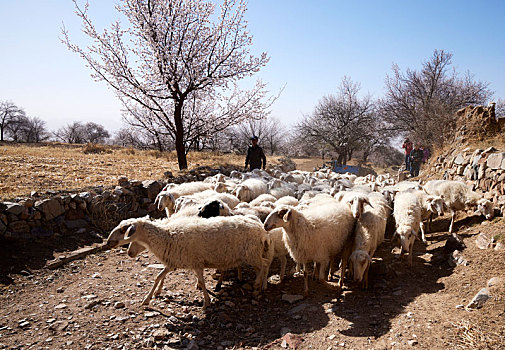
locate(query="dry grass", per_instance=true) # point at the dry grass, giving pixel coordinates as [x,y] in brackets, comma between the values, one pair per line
[471,336]
[26,168]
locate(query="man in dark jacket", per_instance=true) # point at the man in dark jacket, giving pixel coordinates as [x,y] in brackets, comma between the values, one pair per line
[255,155]
[416,158]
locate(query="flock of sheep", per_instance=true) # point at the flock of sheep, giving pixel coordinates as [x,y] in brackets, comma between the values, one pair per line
[320,218]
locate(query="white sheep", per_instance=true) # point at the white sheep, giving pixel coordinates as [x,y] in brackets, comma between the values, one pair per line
[196,243]
[430,205]
[407,214]
[369,234]
[457,196]
[314,234]
[250,189]
[165,200]
[261,212]
[265,197]
[287,200]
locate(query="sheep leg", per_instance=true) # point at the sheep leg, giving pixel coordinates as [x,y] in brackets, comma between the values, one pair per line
[421,226]
[159,279]
[201,283]
[305,282]
[429,222]
[411,251]
[453,216]
[239,273]
[217,288]
[160,287]
[283,267]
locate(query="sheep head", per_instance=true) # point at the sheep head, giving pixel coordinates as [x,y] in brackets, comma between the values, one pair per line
[121,233]
[211,209]
[134,249]
[357,204]
[485,207]
[277,218]
[359,260]
[407,236]
[435,205]
[220,187]
[243,193]
[165,200]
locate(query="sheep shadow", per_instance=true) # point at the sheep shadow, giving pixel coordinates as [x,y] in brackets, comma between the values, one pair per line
[393,285]
[234,319]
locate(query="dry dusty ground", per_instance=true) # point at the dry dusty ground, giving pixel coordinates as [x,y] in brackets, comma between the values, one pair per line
[95,304]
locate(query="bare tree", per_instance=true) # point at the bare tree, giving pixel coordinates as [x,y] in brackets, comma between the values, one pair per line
[95,133]
[171,50]
[9,114]
[78,132]
[340,123]
[270,132]
[71,133]
[34,130]
[422,103]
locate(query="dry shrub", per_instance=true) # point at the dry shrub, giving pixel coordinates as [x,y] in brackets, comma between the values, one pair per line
[93,148]
[129,151]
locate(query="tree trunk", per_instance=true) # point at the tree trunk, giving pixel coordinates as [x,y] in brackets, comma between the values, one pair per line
[179,136]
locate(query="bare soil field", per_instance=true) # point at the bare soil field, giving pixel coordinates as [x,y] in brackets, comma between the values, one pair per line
[95,302]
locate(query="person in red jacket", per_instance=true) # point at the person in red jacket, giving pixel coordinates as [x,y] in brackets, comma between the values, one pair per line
[407,146]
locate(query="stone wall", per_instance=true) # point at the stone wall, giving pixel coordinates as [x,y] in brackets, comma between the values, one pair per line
[482,170]
[96,210]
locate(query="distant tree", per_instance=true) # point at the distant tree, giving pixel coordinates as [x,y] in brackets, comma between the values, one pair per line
[172,50]
[95,133]
[32,129]
[79,132]
[270,132]
[9,114]
[71,133]
[422,103]
[340,123]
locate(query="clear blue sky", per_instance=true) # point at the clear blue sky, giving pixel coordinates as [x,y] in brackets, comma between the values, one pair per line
[312,45]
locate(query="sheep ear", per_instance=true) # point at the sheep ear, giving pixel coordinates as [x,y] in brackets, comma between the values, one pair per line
[368,202]
[287,216]
[130,231]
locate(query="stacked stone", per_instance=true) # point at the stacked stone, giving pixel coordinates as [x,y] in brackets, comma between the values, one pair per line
[483,170]
[99,209]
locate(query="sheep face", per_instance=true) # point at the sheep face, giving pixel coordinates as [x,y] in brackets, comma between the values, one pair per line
[120,234]
[407,237]
[435,204]
[357,204]
[135,249]
[243,193]
[165,200]
[360,260]
[277,218]
[486,208]
[220,187]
